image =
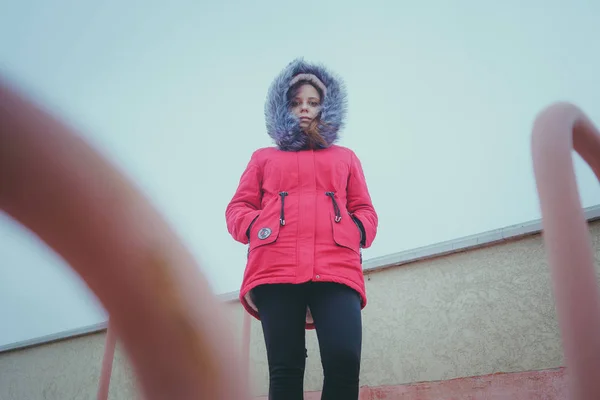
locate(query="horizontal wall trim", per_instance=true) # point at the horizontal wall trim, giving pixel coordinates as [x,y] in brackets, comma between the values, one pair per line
[466,243]
[70,334]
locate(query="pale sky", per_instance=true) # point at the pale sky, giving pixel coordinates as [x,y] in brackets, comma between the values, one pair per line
[441,102]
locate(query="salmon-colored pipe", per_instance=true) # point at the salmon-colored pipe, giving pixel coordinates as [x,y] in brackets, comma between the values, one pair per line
[109,354]
[107,363]
[558,130]
[246,332]
[160,305]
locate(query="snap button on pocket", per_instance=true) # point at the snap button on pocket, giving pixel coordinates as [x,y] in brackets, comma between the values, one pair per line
[264,233]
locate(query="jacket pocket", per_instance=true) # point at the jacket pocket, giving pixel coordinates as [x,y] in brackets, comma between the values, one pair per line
[345,230]
[250,227]
[248,234]
[265,228]
[361,229]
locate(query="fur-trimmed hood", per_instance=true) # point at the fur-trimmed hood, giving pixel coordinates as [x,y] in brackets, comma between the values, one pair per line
[283,127]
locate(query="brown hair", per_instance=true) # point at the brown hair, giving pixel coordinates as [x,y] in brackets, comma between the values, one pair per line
[312,130]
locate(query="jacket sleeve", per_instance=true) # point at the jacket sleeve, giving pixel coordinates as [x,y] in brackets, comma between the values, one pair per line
[359,203]
[245,205]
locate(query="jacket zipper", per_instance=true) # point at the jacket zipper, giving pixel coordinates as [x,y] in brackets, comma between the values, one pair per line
[282,214]
[336,208]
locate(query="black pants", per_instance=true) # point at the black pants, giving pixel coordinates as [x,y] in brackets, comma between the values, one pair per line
[336,312]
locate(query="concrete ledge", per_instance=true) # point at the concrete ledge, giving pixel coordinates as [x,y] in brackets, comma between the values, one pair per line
[371,265]
[70,334]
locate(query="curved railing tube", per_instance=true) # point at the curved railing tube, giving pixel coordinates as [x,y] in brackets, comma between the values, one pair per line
[107,363]
[171,326]
[557,131]
[159,303]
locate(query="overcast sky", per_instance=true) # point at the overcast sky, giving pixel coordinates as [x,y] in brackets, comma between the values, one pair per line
[441,102]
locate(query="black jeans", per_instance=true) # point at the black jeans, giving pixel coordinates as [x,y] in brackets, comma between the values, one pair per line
[337,315]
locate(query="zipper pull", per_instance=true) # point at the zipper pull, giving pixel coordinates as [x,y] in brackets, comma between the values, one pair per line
[282,214]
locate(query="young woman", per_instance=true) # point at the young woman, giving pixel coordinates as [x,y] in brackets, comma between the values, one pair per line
[305,212]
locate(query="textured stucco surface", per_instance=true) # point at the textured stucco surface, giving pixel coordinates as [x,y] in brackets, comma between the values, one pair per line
[469,314]
[70,369]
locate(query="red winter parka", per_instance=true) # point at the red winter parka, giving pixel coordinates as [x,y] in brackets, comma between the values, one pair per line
[305,214]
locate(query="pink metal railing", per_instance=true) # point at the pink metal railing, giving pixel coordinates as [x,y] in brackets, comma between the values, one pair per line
[107,363]
[109,355]
[161,307]
[558,130]
[246,347]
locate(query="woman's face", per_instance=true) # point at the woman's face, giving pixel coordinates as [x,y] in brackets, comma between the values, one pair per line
[306,104]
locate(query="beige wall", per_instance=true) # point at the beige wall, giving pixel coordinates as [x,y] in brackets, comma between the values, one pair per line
[473,313]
